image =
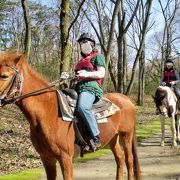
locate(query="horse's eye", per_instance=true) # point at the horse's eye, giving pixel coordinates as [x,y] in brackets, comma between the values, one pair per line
[4,76]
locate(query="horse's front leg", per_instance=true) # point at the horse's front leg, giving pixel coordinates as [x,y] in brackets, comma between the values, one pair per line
[177,127]
[162,118]
[50,167]
[173,128]
[66,164]
[119,156]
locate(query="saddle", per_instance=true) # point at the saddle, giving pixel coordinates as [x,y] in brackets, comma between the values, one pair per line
[102,109]
[177,99]
[67,103]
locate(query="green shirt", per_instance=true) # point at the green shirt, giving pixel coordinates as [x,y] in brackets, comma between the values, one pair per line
[92,86]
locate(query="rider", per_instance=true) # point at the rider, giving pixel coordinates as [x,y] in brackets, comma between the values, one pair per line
[170,77]
[90,71]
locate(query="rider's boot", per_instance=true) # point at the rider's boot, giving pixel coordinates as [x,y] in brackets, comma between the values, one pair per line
[97,141]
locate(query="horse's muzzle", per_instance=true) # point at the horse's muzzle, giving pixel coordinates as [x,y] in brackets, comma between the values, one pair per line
[164,114]
[2,102]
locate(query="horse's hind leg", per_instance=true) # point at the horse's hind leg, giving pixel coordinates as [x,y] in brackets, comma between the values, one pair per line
[50,167]
[127,144]
[119,156]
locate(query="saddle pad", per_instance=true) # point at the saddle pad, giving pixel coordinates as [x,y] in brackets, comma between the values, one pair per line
[64,108]
[101,115]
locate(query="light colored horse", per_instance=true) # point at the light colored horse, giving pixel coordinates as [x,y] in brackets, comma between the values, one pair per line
[166,103]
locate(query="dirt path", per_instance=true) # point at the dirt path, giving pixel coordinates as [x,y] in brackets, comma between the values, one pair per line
[157,163]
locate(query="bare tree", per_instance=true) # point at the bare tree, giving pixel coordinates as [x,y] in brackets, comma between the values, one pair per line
[65,32]
[169,13]
[141,43]
[100,33]
[122,46]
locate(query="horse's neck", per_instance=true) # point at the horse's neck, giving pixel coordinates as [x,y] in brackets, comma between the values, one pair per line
[32,80]
[171,96]
[35,107]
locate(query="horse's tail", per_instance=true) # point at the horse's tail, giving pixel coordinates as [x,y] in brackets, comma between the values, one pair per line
[137,170]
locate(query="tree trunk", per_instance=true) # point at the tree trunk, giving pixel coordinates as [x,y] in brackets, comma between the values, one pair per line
[64,19]
[142,40]
[28,28]
[120,55]
[124,63]
[141,79]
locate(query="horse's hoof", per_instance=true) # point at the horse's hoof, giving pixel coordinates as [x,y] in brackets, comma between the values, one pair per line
[174,144]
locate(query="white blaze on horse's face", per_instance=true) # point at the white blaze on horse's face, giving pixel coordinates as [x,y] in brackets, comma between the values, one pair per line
[163,111]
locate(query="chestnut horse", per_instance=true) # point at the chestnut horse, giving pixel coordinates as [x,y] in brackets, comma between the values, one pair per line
[52,137]
[166,104]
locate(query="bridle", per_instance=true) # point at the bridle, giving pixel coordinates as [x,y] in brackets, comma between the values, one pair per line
[13,88]
[12,92]
[164,104]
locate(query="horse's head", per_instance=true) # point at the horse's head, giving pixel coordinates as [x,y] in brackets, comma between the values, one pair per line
[161,102]
[10,75]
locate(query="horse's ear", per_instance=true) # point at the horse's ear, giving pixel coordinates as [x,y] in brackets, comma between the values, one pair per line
[20,60]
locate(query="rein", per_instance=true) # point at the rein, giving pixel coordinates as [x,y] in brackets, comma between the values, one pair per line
[17,98]
[16,82]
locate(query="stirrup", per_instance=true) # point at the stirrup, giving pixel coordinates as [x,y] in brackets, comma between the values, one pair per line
[92,145]
[84,148]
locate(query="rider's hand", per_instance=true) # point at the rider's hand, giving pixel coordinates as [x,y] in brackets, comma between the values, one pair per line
[163,83]
[64,75]
[173,82]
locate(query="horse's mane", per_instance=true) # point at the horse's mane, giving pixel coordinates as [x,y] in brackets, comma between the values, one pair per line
[36,75]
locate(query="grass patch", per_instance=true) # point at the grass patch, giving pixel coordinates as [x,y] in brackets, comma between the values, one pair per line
[1,126]
[31,174]
[91,156]
[147,130]
[35,174]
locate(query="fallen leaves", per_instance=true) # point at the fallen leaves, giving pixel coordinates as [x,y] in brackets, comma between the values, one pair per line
[16,150]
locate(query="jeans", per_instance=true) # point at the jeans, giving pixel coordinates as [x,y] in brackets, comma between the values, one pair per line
[84,106]
[177,91]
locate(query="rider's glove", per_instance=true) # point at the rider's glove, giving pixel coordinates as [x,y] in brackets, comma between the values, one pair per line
[173,82]
[64,75]
[163,83]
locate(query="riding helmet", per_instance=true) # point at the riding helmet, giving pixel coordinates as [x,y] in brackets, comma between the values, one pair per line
[87,36]
[170,61]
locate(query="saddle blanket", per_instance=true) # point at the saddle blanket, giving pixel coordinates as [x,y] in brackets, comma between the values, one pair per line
[101,110]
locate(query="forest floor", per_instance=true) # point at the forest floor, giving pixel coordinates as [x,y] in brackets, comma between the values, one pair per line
[17,152]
